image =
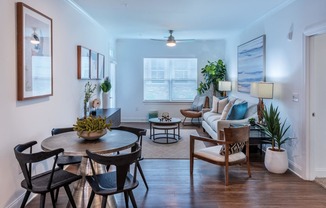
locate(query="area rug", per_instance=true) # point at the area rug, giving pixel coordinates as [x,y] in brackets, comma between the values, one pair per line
[321,181]
[179,150]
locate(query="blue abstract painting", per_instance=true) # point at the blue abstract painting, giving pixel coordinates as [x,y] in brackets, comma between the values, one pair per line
[251,63]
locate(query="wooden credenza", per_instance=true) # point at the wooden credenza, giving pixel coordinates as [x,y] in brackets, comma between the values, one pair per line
[111,114]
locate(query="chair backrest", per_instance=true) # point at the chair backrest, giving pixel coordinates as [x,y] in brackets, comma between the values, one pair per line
[56,131]
[121,161]
[26,159]
[138,131]
[239,134]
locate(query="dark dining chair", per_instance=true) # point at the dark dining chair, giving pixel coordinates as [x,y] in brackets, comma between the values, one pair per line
[63,159]
[46,182]
[113,182]
[140,133]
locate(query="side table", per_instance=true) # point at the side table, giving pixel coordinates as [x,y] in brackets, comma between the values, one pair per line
[258,137]
[166,137]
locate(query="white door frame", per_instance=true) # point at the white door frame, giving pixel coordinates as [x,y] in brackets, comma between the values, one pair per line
[316,29]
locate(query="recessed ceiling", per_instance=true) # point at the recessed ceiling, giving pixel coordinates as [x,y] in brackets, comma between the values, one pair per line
[197,19]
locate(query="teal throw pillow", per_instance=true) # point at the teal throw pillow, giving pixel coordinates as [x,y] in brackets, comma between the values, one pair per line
[237,111]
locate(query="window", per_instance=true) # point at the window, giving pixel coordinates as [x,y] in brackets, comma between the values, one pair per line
[170,79]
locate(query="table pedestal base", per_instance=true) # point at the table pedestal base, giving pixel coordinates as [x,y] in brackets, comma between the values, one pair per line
[82,190]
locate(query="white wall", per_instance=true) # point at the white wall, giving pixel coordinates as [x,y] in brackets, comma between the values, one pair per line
[284,67]
[24,121]
[130,55]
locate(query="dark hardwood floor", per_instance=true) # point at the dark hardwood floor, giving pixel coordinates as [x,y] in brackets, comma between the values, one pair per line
[170,185]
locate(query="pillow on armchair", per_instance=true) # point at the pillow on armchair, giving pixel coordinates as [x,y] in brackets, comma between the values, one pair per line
[198,103]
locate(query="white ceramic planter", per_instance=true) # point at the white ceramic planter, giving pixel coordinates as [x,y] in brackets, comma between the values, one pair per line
[105,100]
[276,162]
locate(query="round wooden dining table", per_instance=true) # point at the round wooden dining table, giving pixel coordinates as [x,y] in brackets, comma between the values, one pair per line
[113,141]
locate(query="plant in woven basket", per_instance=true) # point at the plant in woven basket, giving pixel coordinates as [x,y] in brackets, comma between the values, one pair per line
[91,124]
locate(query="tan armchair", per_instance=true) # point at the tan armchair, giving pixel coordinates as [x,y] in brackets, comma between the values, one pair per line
[200,104]
[233,138]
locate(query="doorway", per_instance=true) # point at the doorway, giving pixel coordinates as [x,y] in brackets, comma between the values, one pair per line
[316,73]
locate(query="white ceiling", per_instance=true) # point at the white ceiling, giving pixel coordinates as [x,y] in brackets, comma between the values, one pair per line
[190,19]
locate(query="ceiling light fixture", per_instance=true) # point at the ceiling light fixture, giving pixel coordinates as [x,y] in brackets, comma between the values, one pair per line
[171,41]
[35,39]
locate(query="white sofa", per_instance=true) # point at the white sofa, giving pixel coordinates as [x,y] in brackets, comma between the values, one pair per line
[212,122]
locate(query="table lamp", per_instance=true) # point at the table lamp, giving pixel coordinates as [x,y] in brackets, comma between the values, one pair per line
[224,86]
[261,90]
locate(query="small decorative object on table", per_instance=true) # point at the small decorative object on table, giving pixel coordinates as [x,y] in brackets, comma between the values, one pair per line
[105,87]
[95,104]
[91,128]
[89,89]
[165,117]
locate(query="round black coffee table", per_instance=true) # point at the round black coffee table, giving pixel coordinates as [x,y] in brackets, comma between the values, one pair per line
[165,137]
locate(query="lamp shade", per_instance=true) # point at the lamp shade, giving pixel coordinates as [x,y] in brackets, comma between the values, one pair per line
[262,90]
[224,86]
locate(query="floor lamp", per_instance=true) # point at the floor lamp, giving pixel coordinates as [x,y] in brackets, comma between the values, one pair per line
[261,90]
[224,86]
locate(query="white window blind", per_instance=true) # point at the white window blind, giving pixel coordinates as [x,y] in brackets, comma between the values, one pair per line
[170,79]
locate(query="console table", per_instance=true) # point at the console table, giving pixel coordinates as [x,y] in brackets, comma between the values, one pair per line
[111,114]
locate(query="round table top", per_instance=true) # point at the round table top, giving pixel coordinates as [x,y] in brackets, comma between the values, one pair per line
[164,122]
[112,141]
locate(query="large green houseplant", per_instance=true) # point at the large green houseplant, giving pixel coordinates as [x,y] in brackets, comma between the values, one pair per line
[213,72]
[276,160]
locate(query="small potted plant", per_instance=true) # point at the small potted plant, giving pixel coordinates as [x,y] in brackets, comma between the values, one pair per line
[252,121]
[276,159]
[91,128]
[105,87]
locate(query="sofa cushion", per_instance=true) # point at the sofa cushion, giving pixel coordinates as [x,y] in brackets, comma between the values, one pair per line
[252,109]
[233,148]
[226,110]
[237,111]
[215,104]
[221,105]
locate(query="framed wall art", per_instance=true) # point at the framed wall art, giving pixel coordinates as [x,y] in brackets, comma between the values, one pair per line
[34,53]
[101,66]
[83,62]
[251,63]
[93,65]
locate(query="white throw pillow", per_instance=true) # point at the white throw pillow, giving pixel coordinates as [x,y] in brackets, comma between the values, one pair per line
[215,104]
[226,110]
[222,104]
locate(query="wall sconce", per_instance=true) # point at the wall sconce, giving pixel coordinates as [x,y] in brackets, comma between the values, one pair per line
[224,86]
[261,90]
[35,39]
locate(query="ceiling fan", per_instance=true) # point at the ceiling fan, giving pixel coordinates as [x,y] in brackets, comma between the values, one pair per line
[171,41]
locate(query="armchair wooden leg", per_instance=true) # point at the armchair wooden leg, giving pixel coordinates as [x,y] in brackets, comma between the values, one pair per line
[248,167]
[226,175]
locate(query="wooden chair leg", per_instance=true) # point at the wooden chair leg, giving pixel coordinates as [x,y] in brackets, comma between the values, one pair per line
[25,199]
[71,198]
[142,174]
[184,120]
[104,199]
[42,200]
[132,199]
[126,199]
[91,199]
[226,175]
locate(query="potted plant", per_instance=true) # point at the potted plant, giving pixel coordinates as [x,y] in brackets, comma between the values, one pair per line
[105,87]
[89,90]
[213,72]
[91,128]
[276,159]
[252,121]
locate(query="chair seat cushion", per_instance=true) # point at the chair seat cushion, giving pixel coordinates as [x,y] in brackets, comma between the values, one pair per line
[106,184]
[213,153]
[60,178]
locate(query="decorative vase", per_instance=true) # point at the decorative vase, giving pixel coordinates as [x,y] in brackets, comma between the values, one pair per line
[91,135]
[276,161]
[105,100]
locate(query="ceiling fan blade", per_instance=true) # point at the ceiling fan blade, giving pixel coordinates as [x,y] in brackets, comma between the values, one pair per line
[158,39]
